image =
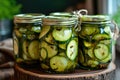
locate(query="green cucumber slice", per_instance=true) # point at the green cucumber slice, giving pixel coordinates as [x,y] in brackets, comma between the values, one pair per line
[44,31]
[62,33]
[107,42]
[58,63]
[63,46]
[44,66]
[15,46]
[81,57]
[90,53]
[107,59]
[62,54]
[92,63]
[72,49]
[36,29]
[43,53]
[18,33]
[33,49]
[49,38]
[25,47]
[99,37]
[51,49]
[87,44]
[25,57]
[88,30]
[101,51]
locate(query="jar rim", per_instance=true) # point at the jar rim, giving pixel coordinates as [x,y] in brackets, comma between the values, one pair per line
[28,17]
[95,18]
[60,20]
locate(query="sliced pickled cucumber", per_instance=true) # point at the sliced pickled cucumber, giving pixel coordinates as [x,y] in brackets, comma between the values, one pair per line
[90,53]
[87,44]
[88,30]
[107,59]
[99,37]
[92,63]
[58,63]
[43,53]
[71,66]
[49,38]
[62,33]
[25,47]
[15,46]
[18,33]
[72,49]
[101,51]
[44,66]
[62,54]
[63,46]
[36,29]
[25,57]
[44,31]
[81,57]
[107,42]
[33,49]
[51,49]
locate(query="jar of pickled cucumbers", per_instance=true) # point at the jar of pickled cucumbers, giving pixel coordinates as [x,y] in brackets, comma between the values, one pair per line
[26,37]
[95,42]
[58,44]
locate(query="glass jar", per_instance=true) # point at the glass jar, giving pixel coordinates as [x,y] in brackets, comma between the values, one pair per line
[95,42]
[58,44]
[26,37]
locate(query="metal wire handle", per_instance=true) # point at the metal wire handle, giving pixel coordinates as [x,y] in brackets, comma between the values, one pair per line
[79,15]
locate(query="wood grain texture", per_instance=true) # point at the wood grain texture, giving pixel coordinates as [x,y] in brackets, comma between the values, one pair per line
[105,74]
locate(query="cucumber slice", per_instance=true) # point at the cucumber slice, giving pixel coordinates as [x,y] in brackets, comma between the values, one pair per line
[62,54]
[18,33]
[88,30]
[63,46]
[107,42]
[16,46]
[25,57]
[36,29]
[49,38]
[19,60]
[90,53]
[107,59]
[92,63]
[99,37]
[70,66]
[44,31]
[51,49]
[101,51]
[43,53]
[81,57]
[62,33]
[25,47]
[44,66]
[72,49]
[87,44]
[58,63]
[33,49]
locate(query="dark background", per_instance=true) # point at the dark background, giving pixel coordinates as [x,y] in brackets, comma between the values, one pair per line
[47,6]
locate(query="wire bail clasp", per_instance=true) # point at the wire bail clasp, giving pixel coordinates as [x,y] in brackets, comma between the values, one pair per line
[79,14]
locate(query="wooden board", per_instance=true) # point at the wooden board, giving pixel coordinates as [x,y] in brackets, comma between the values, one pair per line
[28,74]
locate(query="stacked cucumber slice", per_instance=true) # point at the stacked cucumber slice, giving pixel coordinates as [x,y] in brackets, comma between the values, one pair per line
[26,43]
[58,49]
[95,46]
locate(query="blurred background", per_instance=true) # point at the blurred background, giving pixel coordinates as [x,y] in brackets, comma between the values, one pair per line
[9,8]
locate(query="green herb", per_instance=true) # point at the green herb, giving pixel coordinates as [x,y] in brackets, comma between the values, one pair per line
[116,17]
[8,8]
